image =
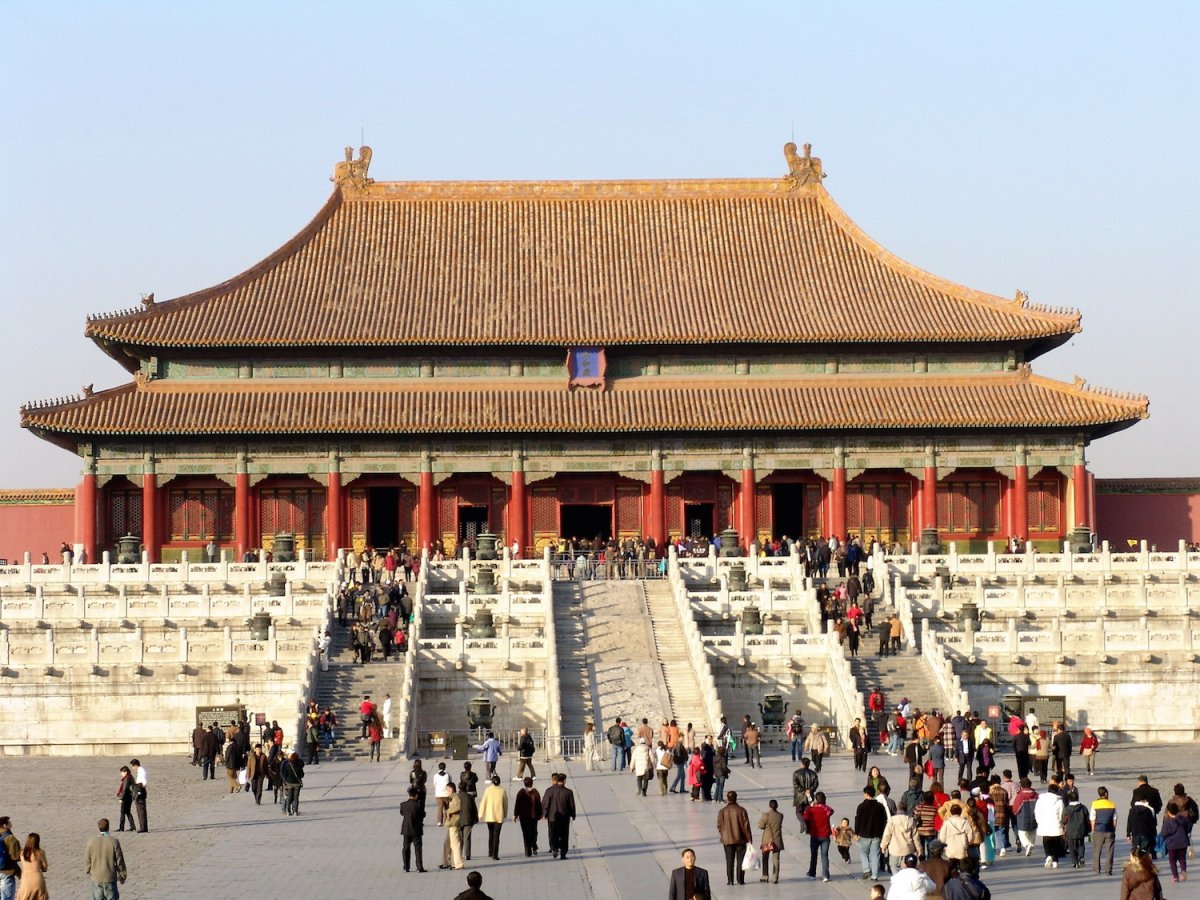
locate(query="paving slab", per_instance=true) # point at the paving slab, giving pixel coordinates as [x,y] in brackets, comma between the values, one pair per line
[346,843]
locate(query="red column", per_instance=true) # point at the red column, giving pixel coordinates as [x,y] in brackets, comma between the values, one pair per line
[1092,502]
[1020,495]
[656,514]
[334,536]
[150,529]
[241,514]
[929,498]
[747,528]
[426,512]
[837,503]
[85,515]
[516,513]
[1079,485]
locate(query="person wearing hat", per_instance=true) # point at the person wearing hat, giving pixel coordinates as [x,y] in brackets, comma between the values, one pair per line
[910,883]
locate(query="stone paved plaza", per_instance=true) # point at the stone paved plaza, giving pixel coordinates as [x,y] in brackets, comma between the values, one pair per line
[204,842]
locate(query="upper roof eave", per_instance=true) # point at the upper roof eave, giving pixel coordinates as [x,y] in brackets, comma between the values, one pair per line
[1037,327]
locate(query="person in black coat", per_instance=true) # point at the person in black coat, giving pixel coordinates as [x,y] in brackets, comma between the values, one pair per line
[559,807]
[1061,749]
[1145,793]
[474,888]
[412,829]
[1141,826]
[689,880]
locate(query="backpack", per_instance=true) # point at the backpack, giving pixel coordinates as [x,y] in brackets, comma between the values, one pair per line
[7,861]
[616,736]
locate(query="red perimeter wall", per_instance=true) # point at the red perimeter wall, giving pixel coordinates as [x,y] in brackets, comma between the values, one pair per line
[35,523]
[1162,512]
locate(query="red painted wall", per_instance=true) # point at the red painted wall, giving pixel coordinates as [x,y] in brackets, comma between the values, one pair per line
[1162,519]
[36,527]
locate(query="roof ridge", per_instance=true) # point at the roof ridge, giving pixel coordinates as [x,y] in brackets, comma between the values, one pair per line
[1079,386]
[1020,303]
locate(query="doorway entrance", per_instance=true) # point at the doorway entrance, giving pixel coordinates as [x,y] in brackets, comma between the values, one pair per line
[383,517]
[585,520]
[787,510]
[699,520]
[472,522]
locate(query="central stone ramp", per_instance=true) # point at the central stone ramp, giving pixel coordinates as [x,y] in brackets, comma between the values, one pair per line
[608,665]
[684,693]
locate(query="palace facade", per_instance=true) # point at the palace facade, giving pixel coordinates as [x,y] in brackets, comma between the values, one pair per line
[427,360]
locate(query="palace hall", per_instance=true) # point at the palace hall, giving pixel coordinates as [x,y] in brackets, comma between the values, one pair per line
[425,361]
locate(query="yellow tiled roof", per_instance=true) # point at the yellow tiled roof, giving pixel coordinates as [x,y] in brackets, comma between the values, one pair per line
[578,264]
[538,405]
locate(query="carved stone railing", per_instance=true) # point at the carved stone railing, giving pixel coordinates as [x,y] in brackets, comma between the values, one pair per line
[941,666]
[1104,561]
[701,668]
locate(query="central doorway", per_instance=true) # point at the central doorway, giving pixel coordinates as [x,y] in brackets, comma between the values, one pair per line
[699,520]
[585,520]
[383,516]
[787,510]
[472,522]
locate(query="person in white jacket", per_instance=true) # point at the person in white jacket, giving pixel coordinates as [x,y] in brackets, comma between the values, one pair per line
[1048,813]
[642,764]
[910,883]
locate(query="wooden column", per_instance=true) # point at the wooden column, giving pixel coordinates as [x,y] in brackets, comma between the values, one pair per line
[517,504]
[1020,496]
[426,505]
[747,527]
[151,531]
[837,502]
[85,515]
[1080,490]
[335,536]
[241,511]
[656,509]
[929,484]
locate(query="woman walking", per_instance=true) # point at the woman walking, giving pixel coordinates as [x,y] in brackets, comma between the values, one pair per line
[125,795]
[33,865]
[1087,749]
[1139,880]
[589,745]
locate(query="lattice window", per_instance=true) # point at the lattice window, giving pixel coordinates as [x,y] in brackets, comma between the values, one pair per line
[124,513]
[498,513]
[812,511]
[408,511]
[724,507]
[969,507]
[201,515]
[358,512]
[674,509]
[1045,506]
[545,511]
[879,509]
[764,506]
[629,510]
[298,511]
[449,509]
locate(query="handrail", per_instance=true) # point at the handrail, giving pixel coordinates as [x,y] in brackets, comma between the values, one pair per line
[697,655]
[845,705]
[942,668]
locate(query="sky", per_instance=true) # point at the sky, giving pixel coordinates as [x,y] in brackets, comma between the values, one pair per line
[1047,147]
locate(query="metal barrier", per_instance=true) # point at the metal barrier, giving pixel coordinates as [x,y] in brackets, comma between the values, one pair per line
[564,567]
[567,746]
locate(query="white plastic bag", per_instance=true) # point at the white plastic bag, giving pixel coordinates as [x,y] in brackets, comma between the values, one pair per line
[753,859]
[242,778]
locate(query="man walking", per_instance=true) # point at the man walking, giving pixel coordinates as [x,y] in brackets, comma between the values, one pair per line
[559,807]
[804,787]
[491,754]
[140,781]
[105,864]
[525,750]
[816,745]
[689,880]
[209,748]
[733,825]
[870,820]
[10,855]
[816,822]
[412,830]
[616,737]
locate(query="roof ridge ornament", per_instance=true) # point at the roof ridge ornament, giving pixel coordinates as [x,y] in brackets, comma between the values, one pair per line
[148,300]
[351,173]
[1022,298]
[804,169]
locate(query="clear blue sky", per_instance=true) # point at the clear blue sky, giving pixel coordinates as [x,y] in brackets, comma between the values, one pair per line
[1044,146]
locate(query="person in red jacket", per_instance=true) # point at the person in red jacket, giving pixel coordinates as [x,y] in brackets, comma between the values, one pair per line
[816,818]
